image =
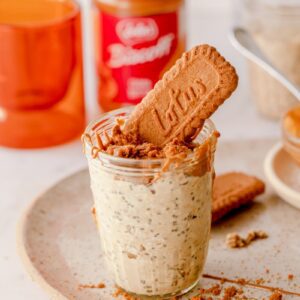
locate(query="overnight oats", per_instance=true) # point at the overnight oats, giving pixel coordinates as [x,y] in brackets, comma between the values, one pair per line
[275,27]
[151,170]
[153,215]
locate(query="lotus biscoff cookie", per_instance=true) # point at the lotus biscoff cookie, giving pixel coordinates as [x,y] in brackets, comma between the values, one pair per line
[187,95]
[233,190]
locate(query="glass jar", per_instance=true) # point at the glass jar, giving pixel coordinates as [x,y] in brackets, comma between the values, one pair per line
[154,226]
[41,82]
[275,26]
[136,42]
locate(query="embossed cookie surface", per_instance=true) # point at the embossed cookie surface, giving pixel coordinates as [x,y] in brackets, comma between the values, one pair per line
[233,190]
[187,95]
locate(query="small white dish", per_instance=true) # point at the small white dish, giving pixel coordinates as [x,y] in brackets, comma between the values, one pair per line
[283,174]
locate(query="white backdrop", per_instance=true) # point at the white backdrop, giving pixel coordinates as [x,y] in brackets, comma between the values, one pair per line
[26,174]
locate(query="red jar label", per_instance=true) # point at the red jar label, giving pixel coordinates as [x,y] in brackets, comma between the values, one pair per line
[134,52]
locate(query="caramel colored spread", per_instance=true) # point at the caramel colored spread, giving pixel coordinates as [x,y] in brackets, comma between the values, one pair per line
[291,122]
[129,145]
[138,7]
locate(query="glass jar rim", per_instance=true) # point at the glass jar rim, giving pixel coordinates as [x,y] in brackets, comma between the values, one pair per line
[205,134]
[267,7]
[75,11]
[132,7]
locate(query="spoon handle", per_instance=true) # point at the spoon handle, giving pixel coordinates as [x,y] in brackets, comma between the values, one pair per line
[242,41]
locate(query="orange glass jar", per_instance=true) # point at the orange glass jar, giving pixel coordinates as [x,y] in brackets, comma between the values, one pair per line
[41,82]
[136,42]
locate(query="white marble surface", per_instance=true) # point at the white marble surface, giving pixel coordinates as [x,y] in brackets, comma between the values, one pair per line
[26,174]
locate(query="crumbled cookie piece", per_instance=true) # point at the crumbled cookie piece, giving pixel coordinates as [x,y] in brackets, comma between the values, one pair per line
[214,290]
[242,281]
[229,292]
[290,276]
[124,295]
[234,240]
[276,296]
[260,281]
[119,144]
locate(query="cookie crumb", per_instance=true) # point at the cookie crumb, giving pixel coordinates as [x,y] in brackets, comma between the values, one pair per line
[124,295]
[290,276]
[230,292]
[215,290]
[234,240]
[276,296]
[260,281]
[242,281]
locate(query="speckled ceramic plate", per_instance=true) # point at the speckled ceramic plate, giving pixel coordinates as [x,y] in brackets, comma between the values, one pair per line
[60,248]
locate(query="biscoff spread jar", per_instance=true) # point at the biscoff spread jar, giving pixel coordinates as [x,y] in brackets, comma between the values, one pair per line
[136,42]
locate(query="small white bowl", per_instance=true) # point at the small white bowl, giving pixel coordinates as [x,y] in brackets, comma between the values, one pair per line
[283,174]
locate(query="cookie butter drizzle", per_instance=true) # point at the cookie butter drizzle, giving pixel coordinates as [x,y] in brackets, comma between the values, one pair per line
[247,283]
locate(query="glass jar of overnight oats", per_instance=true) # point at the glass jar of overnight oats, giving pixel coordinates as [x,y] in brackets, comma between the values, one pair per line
[275,26]
[154,226]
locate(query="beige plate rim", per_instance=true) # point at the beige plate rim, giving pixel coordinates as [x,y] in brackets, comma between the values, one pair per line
[21,248]
[286,192]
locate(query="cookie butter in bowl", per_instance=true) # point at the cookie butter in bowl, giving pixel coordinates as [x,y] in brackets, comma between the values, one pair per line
[151,170]
[291,133]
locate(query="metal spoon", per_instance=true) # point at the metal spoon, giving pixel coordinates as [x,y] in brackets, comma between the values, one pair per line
[244,43]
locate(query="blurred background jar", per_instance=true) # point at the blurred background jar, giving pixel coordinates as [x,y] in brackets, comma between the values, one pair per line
[275,26]
[41,75]
[136,42]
